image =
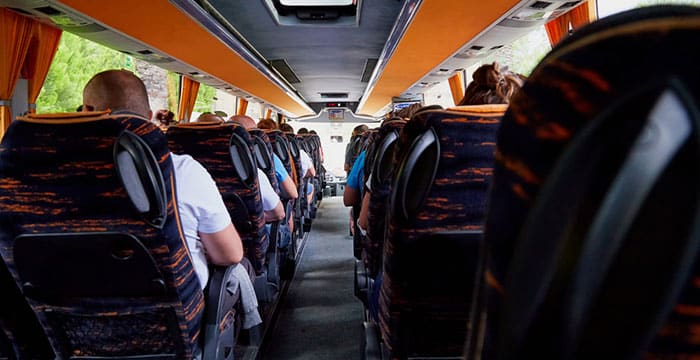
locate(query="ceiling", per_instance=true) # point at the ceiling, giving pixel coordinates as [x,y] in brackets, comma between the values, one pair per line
[327,56]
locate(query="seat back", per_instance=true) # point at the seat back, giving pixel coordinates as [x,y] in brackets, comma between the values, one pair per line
[381,158]
[227,152]
[593,221]
[263,155]
[280,146]
[433,240]
[89,232]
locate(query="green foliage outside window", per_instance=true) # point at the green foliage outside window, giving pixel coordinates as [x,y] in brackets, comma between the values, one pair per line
[76,61]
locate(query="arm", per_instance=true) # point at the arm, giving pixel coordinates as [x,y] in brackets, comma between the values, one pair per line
[272,206]
[363,220]
[287,189]
[275,214]
[351,196]
[223,247]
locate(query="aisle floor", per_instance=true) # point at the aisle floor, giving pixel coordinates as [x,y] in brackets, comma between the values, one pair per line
[319,317]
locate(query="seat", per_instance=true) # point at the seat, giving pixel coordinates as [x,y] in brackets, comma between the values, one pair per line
[300,207]
[227,152]
[381,165]
[89,232]
[366,141]
[280,147]
[593,218]
[434,229]
[263,155]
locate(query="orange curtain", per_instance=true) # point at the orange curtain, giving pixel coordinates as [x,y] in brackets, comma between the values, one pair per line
[268,113]
[39,57]
[188,96]
[457,86]
[15,35]
[558,28]
[242,106]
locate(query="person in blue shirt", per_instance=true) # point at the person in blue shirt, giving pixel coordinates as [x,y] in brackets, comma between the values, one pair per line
[355,182]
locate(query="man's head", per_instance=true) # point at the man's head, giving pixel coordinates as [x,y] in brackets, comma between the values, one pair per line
[267,124]
[117,90]
[303,131]
[209,117]
[287,128]
[246,121]
[359,130]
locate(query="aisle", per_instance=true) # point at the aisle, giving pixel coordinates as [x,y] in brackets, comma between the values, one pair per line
[320,318]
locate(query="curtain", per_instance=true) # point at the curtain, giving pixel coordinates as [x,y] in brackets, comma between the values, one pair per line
[15,35]
[188,96]
[268,113]
[39,57]
[582,14]
[242,106]
[457,86]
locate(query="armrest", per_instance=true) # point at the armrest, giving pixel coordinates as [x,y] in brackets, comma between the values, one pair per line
[219,315]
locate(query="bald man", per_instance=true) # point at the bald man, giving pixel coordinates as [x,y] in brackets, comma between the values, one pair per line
[205,220]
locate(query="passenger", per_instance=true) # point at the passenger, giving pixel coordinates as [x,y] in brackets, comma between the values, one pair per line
[307,166]
[209,117]
[163,118]
[287,188]
[206,223]
[490,85]
[272,207]
[267,124]
[352,150]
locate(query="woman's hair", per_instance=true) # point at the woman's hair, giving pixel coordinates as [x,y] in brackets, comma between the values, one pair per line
[492,86]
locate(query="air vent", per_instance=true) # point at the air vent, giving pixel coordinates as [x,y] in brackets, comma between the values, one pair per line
[476,47]
[285,70]
[145,52]
[333,95]
[569,4]
[370,64]
[540,5]
[496,47]
[48,10]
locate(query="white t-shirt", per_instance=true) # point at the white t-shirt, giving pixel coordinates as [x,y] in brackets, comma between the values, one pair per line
[306,162]
[267,192]
[201,209]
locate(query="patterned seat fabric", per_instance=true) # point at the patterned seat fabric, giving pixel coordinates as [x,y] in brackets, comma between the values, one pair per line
[438,202]
[280,146]
[265,161]
[583,76]
[211,145]
[50,185]
[381,160]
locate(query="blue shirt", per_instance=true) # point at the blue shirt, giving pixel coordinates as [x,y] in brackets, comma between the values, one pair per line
[357,174]
[280,171]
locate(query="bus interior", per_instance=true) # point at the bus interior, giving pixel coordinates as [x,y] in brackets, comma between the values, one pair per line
[560,223]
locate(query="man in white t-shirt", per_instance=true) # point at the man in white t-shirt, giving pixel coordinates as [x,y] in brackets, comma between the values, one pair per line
[210,235]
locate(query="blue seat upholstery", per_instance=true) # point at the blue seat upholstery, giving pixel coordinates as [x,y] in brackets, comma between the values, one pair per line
[89,232]
[567,277]
[437,206]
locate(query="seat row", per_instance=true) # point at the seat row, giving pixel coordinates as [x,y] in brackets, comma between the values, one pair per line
[94,262]
[565,227]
